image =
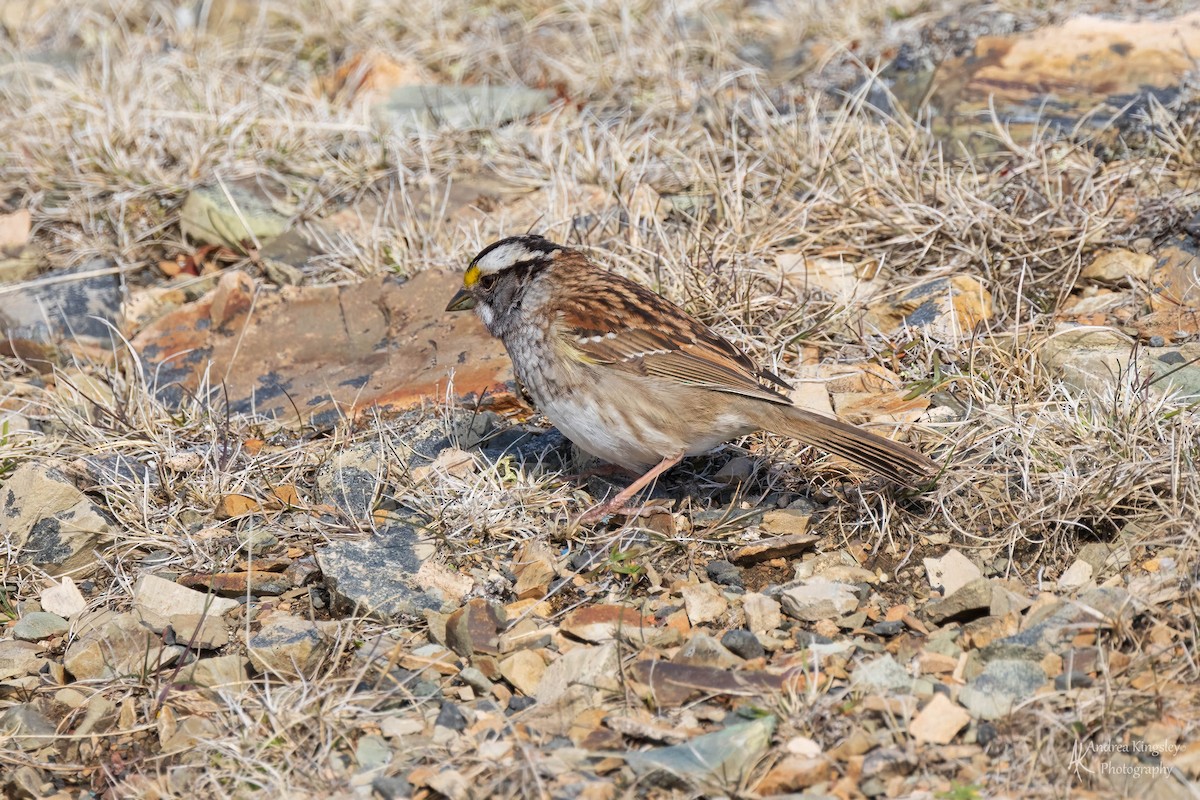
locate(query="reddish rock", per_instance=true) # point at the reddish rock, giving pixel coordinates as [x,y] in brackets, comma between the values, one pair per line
[775,547]
[327,351]
[602,623]
[475,628]
[238,584]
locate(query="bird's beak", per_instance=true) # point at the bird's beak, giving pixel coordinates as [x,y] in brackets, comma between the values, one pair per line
[461,301]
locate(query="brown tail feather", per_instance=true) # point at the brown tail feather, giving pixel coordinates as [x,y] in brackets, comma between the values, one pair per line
[897,462]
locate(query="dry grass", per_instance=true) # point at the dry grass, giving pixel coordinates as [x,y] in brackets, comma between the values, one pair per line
[125,106]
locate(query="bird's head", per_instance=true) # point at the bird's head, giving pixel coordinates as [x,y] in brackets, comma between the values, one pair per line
[496,279]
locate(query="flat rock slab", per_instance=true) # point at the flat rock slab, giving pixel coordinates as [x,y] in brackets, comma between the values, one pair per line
[319,353]
[1089,69]
[81,307]
[49,523]
[377,575]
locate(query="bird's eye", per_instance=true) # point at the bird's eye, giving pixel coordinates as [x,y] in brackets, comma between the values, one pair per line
[486,282]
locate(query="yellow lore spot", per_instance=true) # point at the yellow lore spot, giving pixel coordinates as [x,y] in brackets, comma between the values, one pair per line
[471,276]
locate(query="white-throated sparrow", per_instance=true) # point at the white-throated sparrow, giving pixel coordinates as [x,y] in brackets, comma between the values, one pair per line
[632,378]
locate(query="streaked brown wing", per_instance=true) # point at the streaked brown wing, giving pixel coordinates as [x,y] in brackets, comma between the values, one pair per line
[606,321]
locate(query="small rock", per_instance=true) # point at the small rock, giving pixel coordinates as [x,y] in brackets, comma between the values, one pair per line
[450,717]
[1072,680]
[233,213]
[742,642]
[84,309]
[475,628]
[970,601]
[603,623]
[219,674]
[768,549]
[816,599]
[289,646]
[794,774]
[574,682]
[1003,683]
[49,522]
[736,470]
[18,659]
[939,721]
[372,752]
[199,632]
[704,603]
[947,308]
[158,599]
[724,573]
[951,572]
[1118,266]
[26,726]
[476,680]
[785,522]
[524,671]
[350,479]
[38,625]
[887,628]
[887,763]
[704,651]
[1103,557]
[881,675]
[110,645]
[377,575]
[727,755]
[762,613]
[1076,576]
[63,598]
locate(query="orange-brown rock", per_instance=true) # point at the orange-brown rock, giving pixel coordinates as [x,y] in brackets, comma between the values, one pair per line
[319,353]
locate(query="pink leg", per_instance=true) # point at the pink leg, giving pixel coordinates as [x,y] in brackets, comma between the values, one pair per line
[618,502]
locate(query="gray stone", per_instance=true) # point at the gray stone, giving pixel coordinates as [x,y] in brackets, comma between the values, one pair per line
[79,304]
[972,600]
[724,757]
[372,752]
[376,575]
[703,650]
[815,599]
[1114,607]
[450,717]
[49,523]
[881,675]
[1002,685]
[236,214]
[350,480]
[409,109]
[289,646]
[27,726]
[722,572]
[476,680]
[1088,358]
[38,625]
[742,642]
